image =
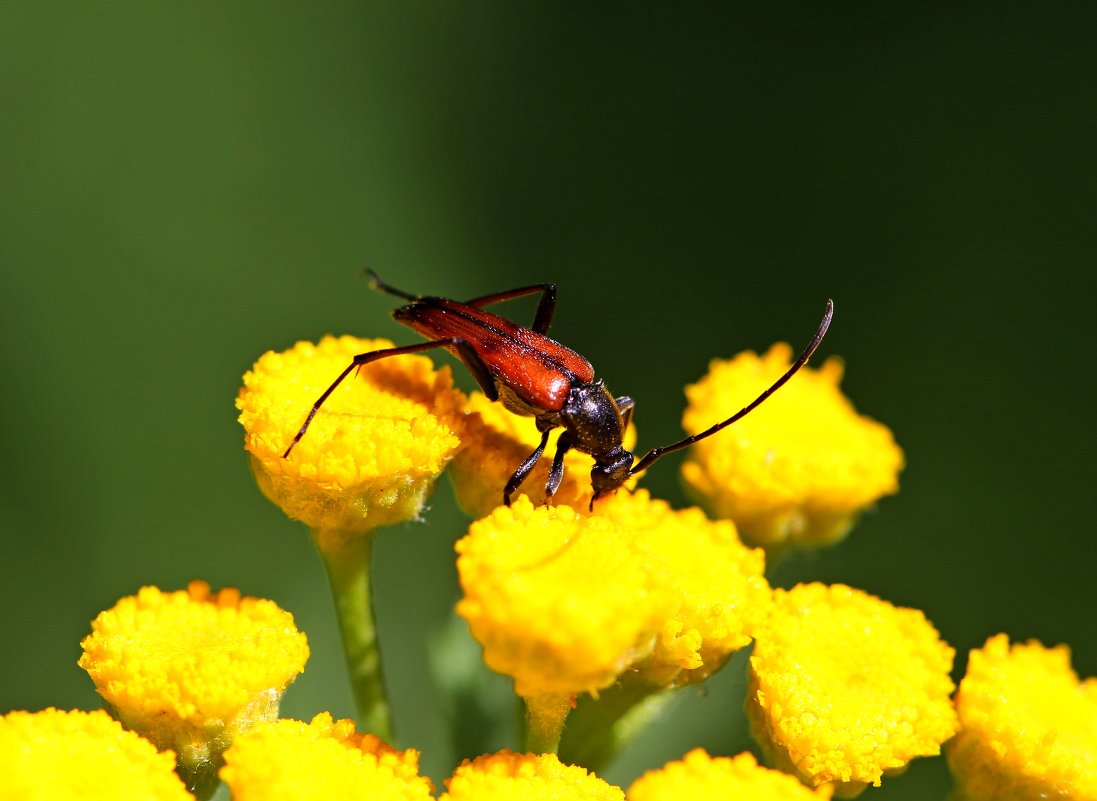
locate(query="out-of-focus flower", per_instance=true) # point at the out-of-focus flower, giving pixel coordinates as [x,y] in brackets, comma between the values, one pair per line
[320,760]
[53,754]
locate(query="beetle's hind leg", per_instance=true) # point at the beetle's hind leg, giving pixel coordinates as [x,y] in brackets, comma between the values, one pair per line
[376,283]
[546,306]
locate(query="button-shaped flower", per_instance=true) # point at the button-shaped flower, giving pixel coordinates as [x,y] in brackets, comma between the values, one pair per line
[507,776]
[53,754]
[558,599]
[371,454]
[845,687]
[1028,726]
[798,469]
[564,602]
[189,670]
[700,777]
[321,760]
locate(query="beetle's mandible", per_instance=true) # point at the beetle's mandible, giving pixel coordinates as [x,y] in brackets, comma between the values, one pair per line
[537,377]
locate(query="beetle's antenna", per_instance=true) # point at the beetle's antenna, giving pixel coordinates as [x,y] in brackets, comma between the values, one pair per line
[651,456]
[377,284]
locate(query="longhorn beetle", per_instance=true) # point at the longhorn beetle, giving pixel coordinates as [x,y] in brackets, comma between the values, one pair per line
[537,377]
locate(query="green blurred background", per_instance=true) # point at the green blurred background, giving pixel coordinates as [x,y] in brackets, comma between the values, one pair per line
[186,185]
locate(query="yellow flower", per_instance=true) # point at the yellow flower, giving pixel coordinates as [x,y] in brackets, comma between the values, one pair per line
[1028,725]
[191,669]
[845,687]
[373,451]
[700,777]
[320,760]
[799,468]
[507,776]
[495,441]
[55,755]
[557,598]
[711,589]
[564,602]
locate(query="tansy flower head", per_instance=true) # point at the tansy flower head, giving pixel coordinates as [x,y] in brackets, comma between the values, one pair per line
[796,470]
[191,669]
[53,754]
[1028,726]
[700,777]
[845,687]
[495,441]
[373,451]
[320,760]
[507,776]
[711,588]
[564,602]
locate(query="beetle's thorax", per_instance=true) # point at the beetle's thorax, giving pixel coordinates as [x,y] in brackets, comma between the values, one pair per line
[592,420]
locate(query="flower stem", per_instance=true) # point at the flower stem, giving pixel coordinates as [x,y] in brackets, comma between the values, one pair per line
[544,721]
[599,728]
[347,558]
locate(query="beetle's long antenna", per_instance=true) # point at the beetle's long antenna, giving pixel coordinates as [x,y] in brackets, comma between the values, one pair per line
[651,456]
[376,283]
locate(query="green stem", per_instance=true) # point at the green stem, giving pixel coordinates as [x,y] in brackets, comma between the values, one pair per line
[599,727]
[543,722]
[202,779]
[348,558]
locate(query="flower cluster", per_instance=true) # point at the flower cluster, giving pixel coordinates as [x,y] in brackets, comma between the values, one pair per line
[595,614]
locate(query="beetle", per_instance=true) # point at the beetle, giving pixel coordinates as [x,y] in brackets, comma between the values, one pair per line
[535,376]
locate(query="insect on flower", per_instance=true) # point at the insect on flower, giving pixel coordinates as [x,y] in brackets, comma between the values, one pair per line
[537,377]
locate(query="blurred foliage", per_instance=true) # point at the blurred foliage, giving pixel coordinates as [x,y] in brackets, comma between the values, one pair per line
[186,185]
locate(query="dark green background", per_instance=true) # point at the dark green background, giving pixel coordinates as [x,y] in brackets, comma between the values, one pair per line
[185,185]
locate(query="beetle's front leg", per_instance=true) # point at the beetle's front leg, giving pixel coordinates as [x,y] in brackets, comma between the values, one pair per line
[625,405]
[556,472]
[524,468]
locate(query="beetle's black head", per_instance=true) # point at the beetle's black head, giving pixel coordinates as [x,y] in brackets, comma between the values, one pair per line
[610,471]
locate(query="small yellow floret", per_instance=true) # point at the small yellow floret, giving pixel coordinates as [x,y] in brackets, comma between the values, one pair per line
[58,755]
[190,669]
[700,777]
[799,468]
[495,441]
[845,687]
[1028,725]
[507,776]
[320,760]
[565,602]
[373,451]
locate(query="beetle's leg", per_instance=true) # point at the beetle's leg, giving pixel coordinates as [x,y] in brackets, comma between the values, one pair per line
[625,405]
[469,356]
[375,282]
[545,307]
[556,472]
[476,366]
[524,468]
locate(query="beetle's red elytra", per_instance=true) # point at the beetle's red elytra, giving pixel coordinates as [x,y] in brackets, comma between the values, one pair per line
[537,377]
